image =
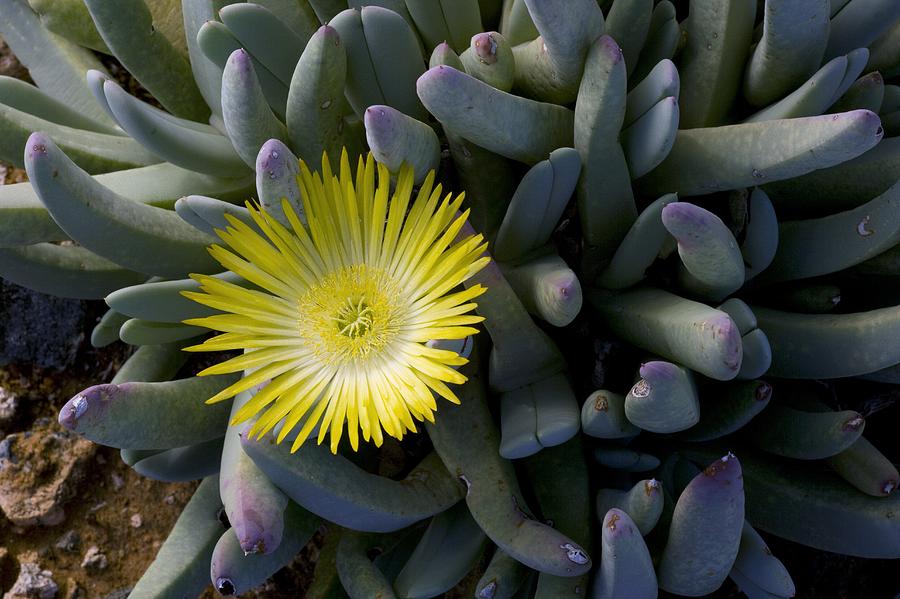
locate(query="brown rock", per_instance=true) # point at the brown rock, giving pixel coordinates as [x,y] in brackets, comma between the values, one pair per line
[38,473]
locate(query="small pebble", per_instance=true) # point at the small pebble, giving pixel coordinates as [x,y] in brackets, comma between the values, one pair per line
[94,560]
[69,542]
[6,450]
[117,481]
[136,521]
[8,405]
[169,500]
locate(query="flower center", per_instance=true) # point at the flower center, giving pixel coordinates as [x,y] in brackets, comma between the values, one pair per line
[355,318]
[352,314]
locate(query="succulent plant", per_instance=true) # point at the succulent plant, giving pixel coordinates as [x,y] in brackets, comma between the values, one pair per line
[733,173]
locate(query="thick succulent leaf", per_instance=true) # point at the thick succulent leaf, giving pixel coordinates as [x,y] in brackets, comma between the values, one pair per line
[181,464]
[814,507]
[522,353]
[134,235]
[151,58]
[338,490]
[729,157]
[149,415]
[830,345]
[254,505]
[698,336]
[92,151]
[448,549]
[56,64]
[465,438]
[705,532]
[233,572]
[512,126]
[64,271]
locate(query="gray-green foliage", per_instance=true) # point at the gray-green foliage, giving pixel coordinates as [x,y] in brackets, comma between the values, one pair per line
[727,171]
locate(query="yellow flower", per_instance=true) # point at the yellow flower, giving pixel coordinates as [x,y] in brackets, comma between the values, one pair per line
[341,307]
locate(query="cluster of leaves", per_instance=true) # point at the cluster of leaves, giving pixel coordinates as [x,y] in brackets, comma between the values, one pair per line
[735,171]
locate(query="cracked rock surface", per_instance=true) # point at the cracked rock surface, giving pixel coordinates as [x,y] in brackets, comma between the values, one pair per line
[38,473]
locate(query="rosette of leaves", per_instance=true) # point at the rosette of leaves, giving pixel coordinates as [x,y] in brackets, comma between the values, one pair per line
[726,176]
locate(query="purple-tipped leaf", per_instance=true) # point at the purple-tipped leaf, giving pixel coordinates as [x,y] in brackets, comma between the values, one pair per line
[705,532]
